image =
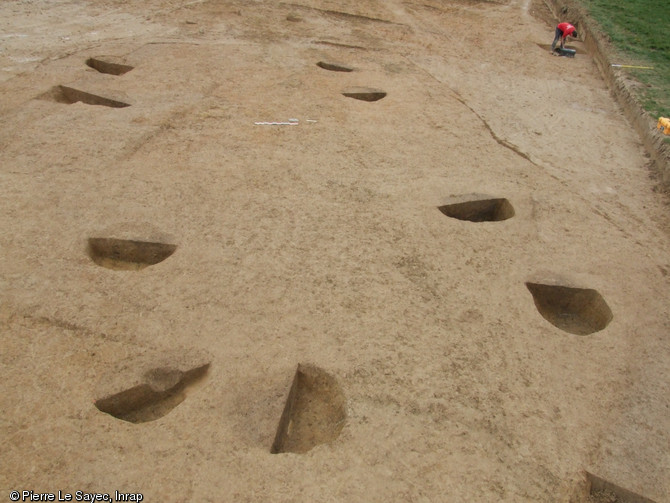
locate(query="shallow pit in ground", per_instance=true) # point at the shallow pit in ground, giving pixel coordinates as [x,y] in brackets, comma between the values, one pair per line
[479,210]
[314,413]
[70,95]
[364,93]
[334,66]
[162,390]
[578,311]
[126,254]
[602,491]
[108,64]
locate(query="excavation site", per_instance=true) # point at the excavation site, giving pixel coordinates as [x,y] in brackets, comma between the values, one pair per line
[327,251]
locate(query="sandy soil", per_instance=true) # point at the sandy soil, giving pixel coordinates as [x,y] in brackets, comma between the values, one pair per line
[244,250]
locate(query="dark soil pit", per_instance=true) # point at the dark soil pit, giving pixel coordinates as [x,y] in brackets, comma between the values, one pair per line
[314,413]
[480,210]
[162,391]
[577,311]
[364,93]
[334,67]
[123,254]
[70,95]
[602,491]
[107,64]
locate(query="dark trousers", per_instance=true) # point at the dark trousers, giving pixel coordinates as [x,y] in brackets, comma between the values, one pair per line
[558,36]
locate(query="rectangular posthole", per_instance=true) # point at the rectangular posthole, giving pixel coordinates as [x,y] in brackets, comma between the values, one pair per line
[109,65]
[314,413]
[603,491]
[70,95]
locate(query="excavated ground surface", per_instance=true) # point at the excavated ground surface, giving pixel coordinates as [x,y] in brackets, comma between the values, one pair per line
[253,248]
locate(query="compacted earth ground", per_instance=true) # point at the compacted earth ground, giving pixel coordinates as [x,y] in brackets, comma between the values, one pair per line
[321,250]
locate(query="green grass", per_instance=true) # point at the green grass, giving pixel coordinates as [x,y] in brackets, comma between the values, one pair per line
[640,32]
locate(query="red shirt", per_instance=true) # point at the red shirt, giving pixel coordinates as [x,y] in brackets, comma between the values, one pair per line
[566,28]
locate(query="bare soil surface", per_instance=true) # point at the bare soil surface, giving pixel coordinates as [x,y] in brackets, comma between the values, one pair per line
[243,215]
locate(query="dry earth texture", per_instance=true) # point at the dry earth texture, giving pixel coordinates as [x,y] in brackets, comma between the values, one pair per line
[443,277]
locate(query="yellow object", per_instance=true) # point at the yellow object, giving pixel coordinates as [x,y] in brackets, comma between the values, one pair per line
[664,125]
[633,66]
